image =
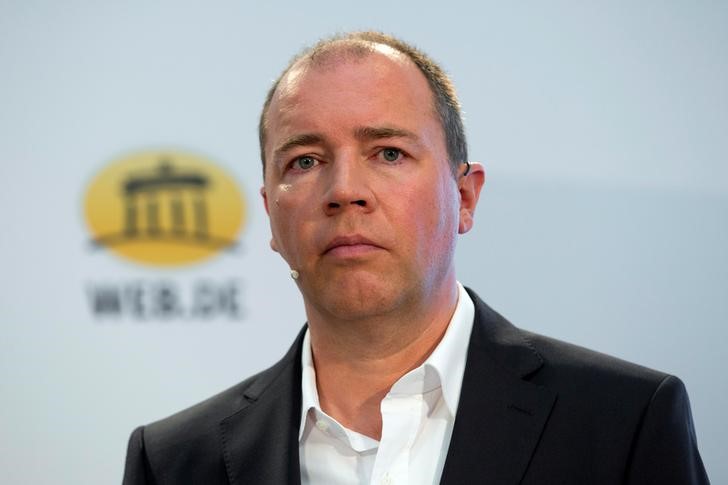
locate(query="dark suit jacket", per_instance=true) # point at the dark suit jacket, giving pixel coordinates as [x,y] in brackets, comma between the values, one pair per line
[533,410]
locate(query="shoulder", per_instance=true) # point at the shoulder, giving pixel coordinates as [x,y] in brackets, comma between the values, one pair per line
[196,421]
[635,418]
[199,424]
[561,366]
[188,446]
[591,383]
[566,365]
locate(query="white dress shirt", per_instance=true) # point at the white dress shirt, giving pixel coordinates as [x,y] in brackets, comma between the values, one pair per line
[418,415]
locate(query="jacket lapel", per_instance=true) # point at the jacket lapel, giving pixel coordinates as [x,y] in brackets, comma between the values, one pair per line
[500,415]
[260,441]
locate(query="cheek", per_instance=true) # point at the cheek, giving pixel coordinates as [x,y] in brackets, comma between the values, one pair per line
[281,220]
[441,220]
[288,208]
[441,207]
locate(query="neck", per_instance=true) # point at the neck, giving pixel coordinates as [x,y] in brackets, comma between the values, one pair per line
[370,354]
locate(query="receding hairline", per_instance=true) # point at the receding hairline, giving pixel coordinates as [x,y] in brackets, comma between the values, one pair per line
[346,49]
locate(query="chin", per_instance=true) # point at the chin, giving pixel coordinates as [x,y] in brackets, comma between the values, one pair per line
[360,299]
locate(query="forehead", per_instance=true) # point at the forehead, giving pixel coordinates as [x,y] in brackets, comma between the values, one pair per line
[339,57]
[372,86]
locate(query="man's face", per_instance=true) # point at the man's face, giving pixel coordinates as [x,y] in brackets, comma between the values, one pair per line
[361,198]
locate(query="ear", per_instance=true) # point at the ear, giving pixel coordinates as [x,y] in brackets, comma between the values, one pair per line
[263,194]
[469,185]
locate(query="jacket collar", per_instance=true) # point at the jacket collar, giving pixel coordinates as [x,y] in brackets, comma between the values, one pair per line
[499,420]
[501,415]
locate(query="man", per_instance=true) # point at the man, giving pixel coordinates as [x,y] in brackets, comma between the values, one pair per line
[401,375]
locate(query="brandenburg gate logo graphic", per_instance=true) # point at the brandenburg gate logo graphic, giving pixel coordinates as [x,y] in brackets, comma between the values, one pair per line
[144,190]
[164,208]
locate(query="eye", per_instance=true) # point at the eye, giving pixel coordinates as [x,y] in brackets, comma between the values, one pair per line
[391,154]
[305,163]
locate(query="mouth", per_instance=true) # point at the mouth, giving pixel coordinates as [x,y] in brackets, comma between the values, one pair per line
[350,246]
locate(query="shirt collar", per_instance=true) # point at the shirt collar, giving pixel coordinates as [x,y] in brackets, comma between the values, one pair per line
[309,392]
[443,368]
[447,362]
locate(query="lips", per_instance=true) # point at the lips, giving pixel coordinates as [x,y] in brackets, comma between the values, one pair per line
[350,245]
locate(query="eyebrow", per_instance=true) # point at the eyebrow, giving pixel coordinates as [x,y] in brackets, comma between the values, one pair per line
[362,133]
[305,139]
[367,133]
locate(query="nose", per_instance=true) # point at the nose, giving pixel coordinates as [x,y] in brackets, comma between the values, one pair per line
[348,187]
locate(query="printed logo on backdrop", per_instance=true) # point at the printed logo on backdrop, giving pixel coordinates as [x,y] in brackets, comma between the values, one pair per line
[165,209]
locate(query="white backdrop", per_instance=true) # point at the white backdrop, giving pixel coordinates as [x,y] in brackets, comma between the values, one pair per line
[604,219]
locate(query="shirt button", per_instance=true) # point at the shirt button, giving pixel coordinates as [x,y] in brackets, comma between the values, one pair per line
[322,425]
[386,479]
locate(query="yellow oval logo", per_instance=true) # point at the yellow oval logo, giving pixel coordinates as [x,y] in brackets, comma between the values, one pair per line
[164,208]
